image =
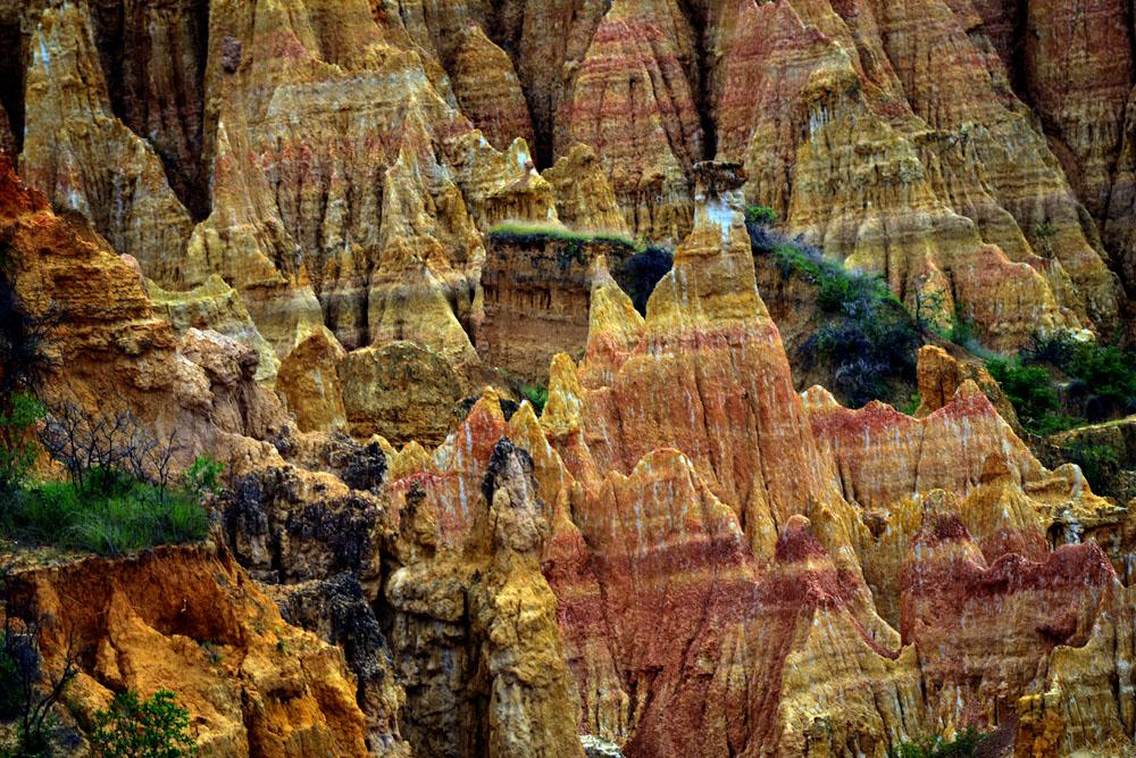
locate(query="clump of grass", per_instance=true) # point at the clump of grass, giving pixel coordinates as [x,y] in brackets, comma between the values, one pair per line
[122,517]
[532,234]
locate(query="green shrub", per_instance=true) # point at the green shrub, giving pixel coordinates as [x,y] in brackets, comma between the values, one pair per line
[537,396]
[154,728]
[203,477]
[867,335]
[109,519]
[1105,370]
[965,745]
[17,451]
[761,215]
[1030,389]
[1099,463]
[1102,382]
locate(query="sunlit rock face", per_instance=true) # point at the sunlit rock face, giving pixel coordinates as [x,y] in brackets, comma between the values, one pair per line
[339,163]
[191,622]
[741,569]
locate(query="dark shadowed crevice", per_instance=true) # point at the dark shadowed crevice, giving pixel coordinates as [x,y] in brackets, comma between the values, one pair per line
[12,79]
[153,57]
[696,16]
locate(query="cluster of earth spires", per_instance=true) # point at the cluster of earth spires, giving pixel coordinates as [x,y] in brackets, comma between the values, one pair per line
[320,239]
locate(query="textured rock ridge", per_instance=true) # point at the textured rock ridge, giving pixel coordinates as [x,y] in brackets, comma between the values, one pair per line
[475,633]
[815,616]
[108,349]
[940,178]
[185,619]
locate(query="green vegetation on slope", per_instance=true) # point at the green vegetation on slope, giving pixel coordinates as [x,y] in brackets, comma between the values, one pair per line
[1061,382]
[132,728]
[964,745]
[866,335]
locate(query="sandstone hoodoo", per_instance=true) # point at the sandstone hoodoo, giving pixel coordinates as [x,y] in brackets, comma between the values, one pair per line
[548,378]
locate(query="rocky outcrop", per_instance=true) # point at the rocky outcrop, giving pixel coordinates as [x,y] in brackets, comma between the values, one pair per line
[286,526]
[85,159]
[632,101]
[217,307]
[475,634]
[938,177]
[537,294]
[585,200]
[808,620]
[308,382]
[107,348]
[402,391]
[488,90]
[682,555]
[190,620]
[940,375]
[337,611]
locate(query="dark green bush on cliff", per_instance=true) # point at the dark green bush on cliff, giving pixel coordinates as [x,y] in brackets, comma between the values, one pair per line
[1030,390]
[1102,377]
[134,728]
[865,333]
[1060,382]
[761,215]
[965,745]
[537,396]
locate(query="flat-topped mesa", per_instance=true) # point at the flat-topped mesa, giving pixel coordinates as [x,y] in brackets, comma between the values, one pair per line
[537,285]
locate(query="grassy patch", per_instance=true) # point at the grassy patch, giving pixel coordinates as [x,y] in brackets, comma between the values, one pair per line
[105,517]
[534,234]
